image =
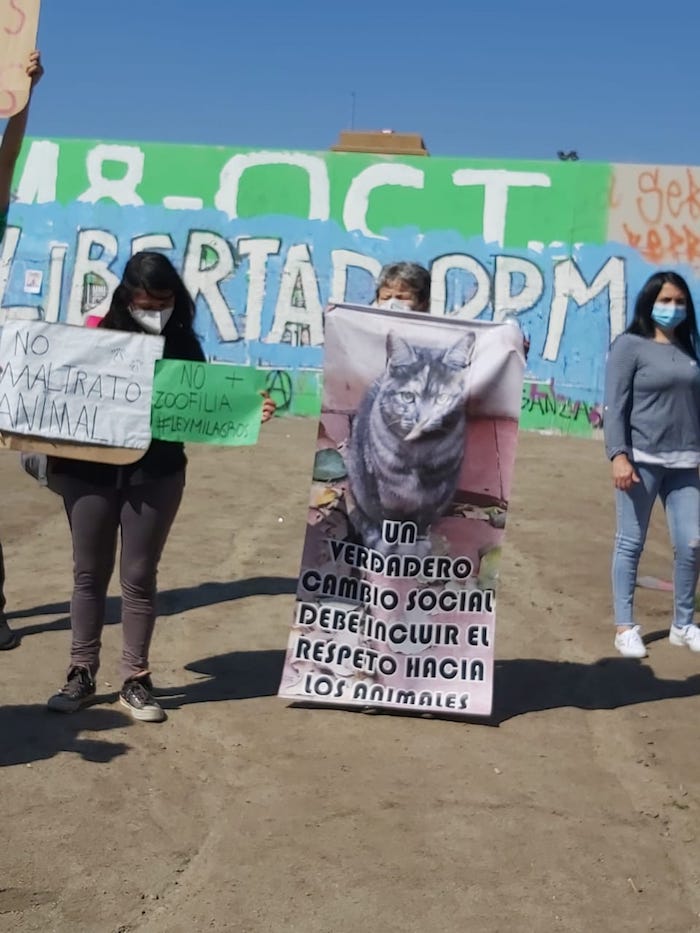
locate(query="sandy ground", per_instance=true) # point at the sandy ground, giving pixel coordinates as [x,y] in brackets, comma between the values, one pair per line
[576,809]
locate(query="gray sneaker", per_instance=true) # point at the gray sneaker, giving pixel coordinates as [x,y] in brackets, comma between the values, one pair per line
[78,690]
[136,695]
[8,639]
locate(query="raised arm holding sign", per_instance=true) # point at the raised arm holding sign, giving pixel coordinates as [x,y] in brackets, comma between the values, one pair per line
[13,136]
[19,73]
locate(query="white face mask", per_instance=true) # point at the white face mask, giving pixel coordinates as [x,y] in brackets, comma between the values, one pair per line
[153,322]
[394,304]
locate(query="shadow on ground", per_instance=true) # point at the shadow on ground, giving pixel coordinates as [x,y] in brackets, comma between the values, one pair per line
[528,685]
[238,675]
[31,733]
[170,602]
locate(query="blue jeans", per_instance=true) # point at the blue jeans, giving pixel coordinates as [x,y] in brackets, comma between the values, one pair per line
[679,491]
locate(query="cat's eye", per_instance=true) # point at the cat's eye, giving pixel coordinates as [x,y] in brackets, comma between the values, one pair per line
[442,397]
[407,396]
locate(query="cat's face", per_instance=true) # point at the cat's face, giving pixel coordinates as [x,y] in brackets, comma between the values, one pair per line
[423,386]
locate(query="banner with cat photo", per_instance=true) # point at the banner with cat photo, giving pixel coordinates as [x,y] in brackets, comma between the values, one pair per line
[414,460]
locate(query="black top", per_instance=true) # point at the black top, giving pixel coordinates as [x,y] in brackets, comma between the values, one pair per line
[162,458]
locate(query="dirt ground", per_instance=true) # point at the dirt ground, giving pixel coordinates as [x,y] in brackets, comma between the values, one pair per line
[576,809]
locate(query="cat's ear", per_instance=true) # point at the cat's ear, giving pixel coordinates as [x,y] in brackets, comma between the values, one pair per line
[459,355]
[398,351]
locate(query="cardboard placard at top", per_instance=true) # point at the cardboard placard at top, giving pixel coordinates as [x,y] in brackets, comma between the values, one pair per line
[19,24]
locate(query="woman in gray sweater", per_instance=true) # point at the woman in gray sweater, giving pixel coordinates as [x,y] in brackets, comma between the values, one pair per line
[652,438]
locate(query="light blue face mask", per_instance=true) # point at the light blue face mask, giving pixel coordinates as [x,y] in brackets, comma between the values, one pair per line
[668,316]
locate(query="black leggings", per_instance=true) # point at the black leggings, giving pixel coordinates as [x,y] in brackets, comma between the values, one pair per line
[144,514]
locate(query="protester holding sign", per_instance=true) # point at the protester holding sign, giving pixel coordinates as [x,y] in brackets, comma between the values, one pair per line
[9,153]
[652,437]
[409,498]
[139,500]
[405,286]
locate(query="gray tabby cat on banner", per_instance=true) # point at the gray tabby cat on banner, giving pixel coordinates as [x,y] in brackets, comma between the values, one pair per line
[408,437]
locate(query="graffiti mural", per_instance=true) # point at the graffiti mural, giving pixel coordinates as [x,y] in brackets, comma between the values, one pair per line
[656,209]
[265,239]
[545,409]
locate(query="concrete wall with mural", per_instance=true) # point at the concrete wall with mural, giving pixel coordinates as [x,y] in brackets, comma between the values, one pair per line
[265,239]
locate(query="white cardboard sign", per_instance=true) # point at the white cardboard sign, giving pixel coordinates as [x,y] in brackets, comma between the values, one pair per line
[86,385]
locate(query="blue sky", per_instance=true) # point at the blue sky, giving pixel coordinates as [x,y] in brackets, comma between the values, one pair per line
[616,80]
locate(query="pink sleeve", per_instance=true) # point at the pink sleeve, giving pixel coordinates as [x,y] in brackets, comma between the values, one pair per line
[92,320]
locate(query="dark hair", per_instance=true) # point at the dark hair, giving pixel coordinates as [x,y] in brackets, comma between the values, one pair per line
[153,273]
[412,275]
[642,324]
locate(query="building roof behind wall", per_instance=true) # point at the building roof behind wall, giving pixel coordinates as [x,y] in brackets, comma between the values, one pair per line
[385,142]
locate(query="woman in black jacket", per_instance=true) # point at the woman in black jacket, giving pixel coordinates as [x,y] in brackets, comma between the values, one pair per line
[139,500]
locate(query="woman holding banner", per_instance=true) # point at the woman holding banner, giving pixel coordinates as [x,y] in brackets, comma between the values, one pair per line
[652,437]
[10,148]
[403,286]
[140,501]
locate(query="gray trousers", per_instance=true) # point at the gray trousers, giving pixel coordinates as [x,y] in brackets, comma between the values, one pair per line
[144,515]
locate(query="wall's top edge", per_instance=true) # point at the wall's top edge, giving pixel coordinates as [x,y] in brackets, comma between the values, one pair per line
[331,153]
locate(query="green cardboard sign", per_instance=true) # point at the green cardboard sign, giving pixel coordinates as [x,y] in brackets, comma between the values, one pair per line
[206,403]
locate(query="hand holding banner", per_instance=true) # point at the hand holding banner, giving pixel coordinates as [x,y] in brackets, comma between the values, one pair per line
[19,23]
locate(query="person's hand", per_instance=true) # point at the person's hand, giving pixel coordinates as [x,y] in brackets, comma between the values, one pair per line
[623,472]
[269,407]
[35,69]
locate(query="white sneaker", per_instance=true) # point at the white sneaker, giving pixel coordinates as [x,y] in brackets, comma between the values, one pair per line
[630,645]
[688,636]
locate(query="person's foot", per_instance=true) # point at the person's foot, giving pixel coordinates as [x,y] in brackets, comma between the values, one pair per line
[8,639]
[687,636]
[136,695]
[628,642]
[76,692]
